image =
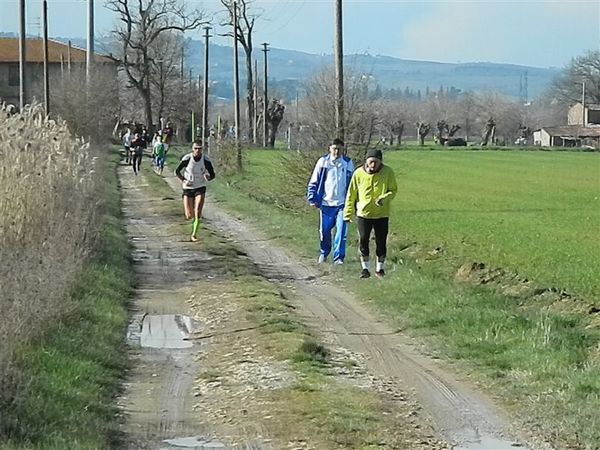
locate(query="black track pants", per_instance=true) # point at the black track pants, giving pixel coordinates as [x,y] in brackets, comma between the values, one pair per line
[380,226]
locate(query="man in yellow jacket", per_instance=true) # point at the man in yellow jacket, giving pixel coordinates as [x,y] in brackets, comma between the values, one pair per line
[372,188]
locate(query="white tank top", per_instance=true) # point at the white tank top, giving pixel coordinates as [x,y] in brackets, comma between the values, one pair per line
[194,172]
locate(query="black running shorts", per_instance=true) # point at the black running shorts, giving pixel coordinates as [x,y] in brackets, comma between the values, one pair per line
[193,192]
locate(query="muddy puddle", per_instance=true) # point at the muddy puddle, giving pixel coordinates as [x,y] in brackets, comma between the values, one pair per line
[166,331]
[194,442]
[489,443]
[162,331]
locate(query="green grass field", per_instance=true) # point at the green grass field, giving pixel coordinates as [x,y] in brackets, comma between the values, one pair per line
[534,213]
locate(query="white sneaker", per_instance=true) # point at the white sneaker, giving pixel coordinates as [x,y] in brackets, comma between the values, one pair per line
[321,259]
[338,262]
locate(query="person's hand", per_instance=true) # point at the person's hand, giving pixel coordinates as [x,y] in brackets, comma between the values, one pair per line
[188,182]
[348,220]
[314,205]
[379,202]
[207,177]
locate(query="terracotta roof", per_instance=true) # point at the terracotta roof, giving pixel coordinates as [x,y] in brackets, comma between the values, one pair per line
[573,130]
[34,51]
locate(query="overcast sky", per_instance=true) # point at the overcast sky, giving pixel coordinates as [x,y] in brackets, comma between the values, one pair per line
[535,33]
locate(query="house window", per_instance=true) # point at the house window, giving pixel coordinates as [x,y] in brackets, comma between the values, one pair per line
[13,75]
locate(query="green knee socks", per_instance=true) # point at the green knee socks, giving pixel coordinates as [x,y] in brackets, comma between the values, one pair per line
[195,226]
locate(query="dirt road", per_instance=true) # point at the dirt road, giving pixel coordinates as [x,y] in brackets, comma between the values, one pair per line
[463,416]
[158,402]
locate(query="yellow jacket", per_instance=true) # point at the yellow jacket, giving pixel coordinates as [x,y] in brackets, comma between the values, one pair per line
[369,195]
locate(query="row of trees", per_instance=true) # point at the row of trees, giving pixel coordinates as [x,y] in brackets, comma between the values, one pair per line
[475,117]
[149,48]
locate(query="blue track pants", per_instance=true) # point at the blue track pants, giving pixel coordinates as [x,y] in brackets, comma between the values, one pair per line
[333,216]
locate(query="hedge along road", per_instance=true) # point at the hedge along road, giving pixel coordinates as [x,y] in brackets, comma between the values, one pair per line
[460,413]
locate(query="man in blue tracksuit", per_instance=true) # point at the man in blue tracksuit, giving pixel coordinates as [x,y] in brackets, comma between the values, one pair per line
[327,191]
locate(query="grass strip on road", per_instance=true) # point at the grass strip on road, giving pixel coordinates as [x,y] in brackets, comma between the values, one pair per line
[75,368]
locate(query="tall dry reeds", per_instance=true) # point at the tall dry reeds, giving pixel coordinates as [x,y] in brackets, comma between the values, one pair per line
[46,219]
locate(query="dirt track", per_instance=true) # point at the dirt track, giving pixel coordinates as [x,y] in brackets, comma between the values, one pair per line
[158,399]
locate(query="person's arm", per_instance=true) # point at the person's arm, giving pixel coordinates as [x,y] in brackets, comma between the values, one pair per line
[182,165]
[392,188]
[210,169]
[313,184]
[351,199]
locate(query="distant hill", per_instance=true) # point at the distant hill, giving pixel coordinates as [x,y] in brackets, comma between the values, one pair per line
[288,69]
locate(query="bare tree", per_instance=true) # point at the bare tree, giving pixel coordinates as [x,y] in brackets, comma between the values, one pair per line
[165,71]
[245,25]
[422,131]
[489,132]
[142,23]
[359,107]
[393,118]
[274,117]
[583,69]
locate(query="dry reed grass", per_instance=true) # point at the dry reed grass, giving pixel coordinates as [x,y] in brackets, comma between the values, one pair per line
[46,219]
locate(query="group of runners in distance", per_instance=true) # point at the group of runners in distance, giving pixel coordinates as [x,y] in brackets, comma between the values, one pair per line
[136,141]
[337,190]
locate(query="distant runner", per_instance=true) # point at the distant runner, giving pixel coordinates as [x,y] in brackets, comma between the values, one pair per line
[127,137]
[168,136]
[158,153]
[138,144]
[194,170]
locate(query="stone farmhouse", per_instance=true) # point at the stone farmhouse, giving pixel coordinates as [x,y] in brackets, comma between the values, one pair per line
[582,129]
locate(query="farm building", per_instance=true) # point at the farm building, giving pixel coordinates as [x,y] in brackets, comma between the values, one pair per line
[62,58]
[568,136]
[584,115]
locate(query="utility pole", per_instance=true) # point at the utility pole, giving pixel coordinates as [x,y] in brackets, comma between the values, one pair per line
[255,134]
[22,56]
[90,42]
[45,35]
[265,96]
[236,91]
[205,92]
[339,71]
[584,118]
[69,58]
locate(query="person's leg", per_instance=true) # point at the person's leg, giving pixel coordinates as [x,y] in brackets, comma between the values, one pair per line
[127,152]
[339,243]
[139,161]
[188,206]
[364,232]
[381,228]
[198,205]
[327,222]
[134,162]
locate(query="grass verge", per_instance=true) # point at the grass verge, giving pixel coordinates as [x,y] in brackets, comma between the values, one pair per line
[540,354]
[74,369]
